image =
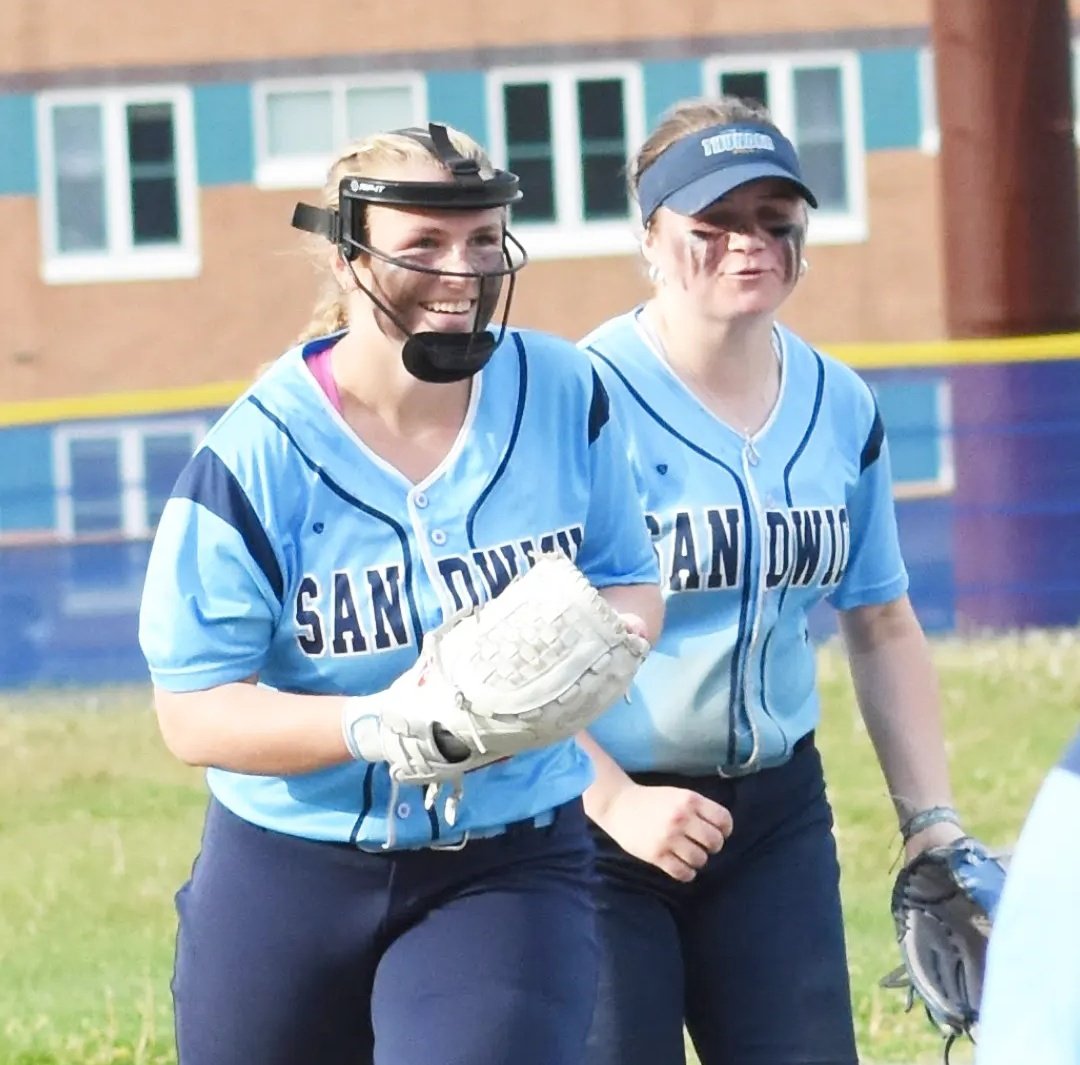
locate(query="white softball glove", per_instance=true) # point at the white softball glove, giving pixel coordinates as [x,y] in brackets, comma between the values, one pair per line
[533,666]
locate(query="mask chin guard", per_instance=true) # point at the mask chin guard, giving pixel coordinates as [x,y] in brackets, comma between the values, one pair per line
[444,357]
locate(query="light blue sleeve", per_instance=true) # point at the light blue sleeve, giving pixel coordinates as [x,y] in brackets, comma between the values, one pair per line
[211,599]
[1030,1008]
[875,571]
[616,548]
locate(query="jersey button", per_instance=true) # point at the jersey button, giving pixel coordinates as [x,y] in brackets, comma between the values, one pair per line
[420,500]
[403,810]
[438,537]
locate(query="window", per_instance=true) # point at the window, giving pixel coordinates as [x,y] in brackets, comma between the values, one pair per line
[118,185]
[568,132]
[917,413]
[530,149]
[96,492]
[815,99]
[602,121]
[114,480]
[301,125]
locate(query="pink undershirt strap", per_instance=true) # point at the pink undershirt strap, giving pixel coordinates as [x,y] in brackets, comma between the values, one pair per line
[322,371]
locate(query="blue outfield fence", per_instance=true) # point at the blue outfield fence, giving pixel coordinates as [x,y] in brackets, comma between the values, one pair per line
[69,613]
[985,458]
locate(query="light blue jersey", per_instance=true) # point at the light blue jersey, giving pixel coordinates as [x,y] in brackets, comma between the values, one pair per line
[291,551]
[1030,1009]
[750,532]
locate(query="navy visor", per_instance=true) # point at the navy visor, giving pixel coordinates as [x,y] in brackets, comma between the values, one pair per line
[701,167]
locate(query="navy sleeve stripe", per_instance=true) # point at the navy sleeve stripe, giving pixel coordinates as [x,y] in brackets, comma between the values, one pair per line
[207,481]
[872,448]
[599,407]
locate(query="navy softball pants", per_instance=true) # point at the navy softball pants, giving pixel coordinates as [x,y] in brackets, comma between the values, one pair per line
[294,952]
[751,953]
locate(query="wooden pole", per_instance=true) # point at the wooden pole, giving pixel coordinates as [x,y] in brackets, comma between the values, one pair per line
[1008,166]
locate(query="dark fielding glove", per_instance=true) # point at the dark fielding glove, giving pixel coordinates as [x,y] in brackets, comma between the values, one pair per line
[943,903]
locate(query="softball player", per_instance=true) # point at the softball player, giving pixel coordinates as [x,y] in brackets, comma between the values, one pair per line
[1031,998]
[372,482]
[764,471]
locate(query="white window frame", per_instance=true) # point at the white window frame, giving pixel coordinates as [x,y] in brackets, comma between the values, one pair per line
[306,172]
[121,260]
[570,236]
[929,130]
[131,436]
[826,227]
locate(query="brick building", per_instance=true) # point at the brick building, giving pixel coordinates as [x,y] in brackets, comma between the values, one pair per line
[149,171]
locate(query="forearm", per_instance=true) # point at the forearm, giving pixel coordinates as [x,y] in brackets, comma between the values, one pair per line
[644,602]
[897,691]
[253,730]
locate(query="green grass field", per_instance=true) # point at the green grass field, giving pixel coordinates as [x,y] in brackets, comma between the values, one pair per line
[98,826]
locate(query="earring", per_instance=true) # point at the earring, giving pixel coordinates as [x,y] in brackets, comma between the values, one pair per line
[655,276]
[804,265]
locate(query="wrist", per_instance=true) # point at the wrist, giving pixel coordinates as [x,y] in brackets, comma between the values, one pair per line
[918,823]
[935,826]
[939,835]
[602,796]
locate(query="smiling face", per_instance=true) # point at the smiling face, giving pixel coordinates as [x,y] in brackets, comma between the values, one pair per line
[462,244]
[739,257]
